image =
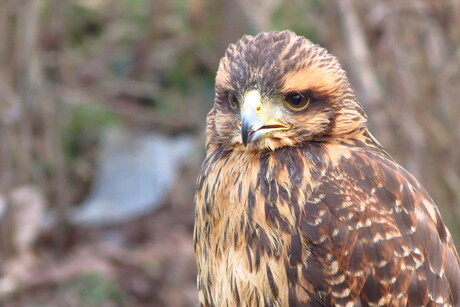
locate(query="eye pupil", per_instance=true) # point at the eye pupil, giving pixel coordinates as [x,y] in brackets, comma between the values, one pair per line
[296,99]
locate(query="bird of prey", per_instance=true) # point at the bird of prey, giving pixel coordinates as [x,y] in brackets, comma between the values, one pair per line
[297,204]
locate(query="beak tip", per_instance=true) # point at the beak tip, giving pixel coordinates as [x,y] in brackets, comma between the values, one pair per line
[245,133]
[245,141]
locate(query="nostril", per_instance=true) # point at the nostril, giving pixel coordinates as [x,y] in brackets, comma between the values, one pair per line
[258,108]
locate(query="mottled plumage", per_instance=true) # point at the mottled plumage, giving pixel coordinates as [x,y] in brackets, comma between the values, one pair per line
[297,204]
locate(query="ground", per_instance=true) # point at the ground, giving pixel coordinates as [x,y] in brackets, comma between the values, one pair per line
[147,262]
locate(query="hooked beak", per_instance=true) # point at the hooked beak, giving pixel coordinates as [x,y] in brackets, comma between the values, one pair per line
[256,120]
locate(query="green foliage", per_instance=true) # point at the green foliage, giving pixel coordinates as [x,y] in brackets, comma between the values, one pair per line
[96,290]
[136,12]
[288,17]
[85,124]
[82,23]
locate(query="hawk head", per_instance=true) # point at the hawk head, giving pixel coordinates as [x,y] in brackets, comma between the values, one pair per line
[279,89]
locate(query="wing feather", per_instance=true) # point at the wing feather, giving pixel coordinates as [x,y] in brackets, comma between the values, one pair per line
[380,235]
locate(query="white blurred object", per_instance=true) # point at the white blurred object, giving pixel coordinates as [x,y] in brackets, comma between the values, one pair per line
[135,173]
[21,219]
[23,212]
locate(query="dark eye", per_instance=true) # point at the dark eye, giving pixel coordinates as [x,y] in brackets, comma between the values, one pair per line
[297,101]
[232,100]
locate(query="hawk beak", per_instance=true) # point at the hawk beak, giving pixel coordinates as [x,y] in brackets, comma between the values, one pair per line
[256,119]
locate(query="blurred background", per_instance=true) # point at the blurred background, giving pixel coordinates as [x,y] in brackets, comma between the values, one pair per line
[102,115]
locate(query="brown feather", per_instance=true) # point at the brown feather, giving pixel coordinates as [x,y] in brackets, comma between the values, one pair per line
[320,214]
